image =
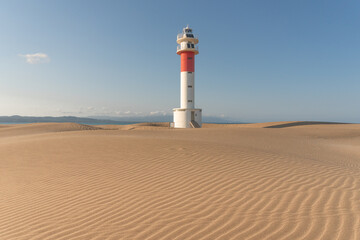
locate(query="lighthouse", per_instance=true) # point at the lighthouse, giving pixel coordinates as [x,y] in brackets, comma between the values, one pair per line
[187,116]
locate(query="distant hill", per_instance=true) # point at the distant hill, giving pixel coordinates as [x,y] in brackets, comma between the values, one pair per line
[102,119]
[161,118]
[27,119]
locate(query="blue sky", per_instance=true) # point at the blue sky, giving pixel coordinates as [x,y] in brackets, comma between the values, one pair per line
[259,60]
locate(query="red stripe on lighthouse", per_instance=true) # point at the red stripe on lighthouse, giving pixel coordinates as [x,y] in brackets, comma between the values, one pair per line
[187,62]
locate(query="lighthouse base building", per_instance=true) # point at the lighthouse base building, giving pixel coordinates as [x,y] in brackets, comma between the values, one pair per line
[187,116]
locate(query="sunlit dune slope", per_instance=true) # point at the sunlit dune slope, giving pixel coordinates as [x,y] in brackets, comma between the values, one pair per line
[286,180]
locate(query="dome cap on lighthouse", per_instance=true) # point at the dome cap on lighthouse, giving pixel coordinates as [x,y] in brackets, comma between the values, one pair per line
[187,29]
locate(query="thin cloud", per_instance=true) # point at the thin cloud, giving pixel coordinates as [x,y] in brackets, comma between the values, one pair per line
[158,113]
[36,58]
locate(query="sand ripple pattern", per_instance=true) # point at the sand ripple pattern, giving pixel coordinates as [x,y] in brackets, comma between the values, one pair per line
[178,184]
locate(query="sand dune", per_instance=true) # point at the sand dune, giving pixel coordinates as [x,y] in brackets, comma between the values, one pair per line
[137,126]
[245,181]
[36,128]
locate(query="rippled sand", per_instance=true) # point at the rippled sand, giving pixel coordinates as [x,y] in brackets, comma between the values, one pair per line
[287,180]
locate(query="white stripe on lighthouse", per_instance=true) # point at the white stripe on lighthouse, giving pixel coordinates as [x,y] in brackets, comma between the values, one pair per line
[187,98]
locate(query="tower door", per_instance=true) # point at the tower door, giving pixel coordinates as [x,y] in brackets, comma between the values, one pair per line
[192,116]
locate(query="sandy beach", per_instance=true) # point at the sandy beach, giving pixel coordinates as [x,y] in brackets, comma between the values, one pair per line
[284,180]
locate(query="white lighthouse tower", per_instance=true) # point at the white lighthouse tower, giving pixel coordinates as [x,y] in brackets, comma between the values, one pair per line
[187,116]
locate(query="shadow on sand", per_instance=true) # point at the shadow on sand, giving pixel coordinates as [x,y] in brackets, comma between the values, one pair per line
[294,124]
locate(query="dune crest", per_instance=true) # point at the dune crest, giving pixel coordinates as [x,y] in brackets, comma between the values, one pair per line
[36,128]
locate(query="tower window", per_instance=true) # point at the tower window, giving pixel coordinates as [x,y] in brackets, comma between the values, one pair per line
[192,45]
[188,45]
[189,86]
[189,57]
[189,100]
